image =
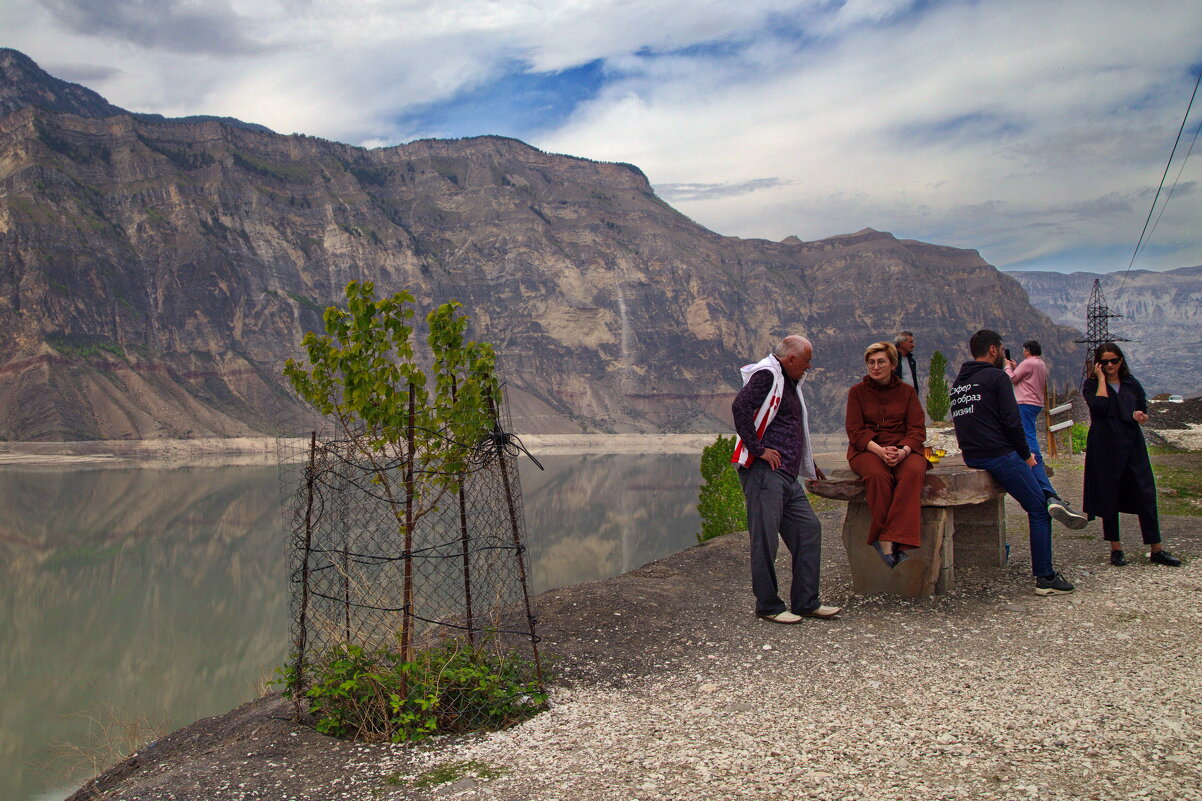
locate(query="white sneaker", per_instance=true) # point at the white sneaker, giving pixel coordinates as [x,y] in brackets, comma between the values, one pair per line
[823,611]
[783,617]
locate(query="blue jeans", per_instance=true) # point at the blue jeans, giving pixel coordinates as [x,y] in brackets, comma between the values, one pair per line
[1019,480]
[1029,412]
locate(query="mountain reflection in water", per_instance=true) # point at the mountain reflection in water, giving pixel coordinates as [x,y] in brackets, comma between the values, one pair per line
[162,594]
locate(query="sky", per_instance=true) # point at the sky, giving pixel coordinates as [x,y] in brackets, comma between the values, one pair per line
[1033,131]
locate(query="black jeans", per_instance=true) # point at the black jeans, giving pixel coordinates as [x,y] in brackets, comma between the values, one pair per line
[1149,527]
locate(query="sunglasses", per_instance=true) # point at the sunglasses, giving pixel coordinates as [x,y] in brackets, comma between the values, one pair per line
[1108,361]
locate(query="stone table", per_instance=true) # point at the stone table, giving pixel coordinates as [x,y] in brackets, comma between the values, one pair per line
[963,524]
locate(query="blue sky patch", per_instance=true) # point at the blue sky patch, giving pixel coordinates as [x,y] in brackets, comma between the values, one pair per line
[519,103]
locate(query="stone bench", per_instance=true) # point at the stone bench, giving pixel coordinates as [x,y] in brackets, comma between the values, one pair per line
[963,524]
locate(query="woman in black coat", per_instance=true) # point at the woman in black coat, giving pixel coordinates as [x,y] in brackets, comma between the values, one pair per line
[1118,474]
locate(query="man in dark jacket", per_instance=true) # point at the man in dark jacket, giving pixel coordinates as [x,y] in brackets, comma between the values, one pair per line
[907,367]
[990,432]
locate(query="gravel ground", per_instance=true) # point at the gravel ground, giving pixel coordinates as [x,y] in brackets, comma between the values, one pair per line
[990,692]
[671,689]
[1094,696]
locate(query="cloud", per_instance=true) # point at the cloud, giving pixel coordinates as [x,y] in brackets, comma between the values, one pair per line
[684,192]
[1029,107]
[854,12]
[81,73]
[188,26]
[1027,129]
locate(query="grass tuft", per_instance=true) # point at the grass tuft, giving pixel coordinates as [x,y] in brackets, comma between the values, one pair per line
[454,771]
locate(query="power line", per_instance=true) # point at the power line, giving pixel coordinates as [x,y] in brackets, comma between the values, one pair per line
[1176,142]
[1176,180]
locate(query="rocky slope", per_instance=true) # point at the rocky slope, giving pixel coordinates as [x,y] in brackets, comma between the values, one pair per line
[154,274]
[1162,315]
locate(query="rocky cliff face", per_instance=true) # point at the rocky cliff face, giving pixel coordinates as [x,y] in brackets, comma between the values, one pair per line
[23,83]
[1162,315]
[154,274]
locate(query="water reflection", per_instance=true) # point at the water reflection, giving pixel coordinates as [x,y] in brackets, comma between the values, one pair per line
[162,594]
[596,516]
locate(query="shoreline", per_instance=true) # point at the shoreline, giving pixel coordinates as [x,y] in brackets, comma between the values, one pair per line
[264,451]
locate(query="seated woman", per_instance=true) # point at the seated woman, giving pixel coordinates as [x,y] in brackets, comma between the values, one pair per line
[885,433]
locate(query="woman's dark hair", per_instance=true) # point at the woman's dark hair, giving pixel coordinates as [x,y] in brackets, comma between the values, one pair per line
[1033,347]
[1110,347]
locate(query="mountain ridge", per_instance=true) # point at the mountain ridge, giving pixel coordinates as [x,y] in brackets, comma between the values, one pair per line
[1161,311]
[156,273]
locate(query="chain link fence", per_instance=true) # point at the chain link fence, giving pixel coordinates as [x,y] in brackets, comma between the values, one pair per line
[392,551]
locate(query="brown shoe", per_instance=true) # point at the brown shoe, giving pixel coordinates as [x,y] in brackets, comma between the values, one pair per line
[822,611]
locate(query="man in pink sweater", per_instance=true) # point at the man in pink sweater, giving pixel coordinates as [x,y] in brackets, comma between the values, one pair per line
[1030,380]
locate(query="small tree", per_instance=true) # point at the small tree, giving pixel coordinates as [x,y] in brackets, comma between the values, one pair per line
[720,501]
[416,442]
[407,440]
[938,393]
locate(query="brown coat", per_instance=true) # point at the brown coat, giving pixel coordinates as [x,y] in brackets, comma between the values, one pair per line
[890,414]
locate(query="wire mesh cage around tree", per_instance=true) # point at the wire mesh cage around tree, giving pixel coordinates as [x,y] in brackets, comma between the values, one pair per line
[394,553]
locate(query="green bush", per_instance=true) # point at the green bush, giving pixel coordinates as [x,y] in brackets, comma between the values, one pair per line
[720,501]
[938,394]
[453,688]
[1079,433]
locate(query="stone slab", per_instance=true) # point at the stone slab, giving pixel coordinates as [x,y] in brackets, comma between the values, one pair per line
[980,532]
[945,485]
[963,525]
[929,569]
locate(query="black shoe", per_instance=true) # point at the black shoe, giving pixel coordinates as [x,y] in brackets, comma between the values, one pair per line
[1117,558]
[1164,558]
[1064,515]
[900,554]
[1054,584]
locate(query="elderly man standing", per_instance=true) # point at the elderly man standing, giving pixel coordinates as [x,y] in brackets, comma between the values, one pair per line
[772,451]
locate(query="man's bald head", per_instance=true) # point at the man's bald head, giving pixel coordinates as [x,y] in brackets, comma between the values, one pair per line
[794,353]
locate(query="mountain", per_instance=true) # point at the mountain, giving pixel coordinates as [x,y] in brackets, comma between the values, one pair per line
[154,274]
[1161,314]
[23,83]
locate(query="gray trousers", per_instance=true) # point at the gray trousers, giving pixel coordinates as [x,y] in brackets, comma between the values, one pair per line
[777,504]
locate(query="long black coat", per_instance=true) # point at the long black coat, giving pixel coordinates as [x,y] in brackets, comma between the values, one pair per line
[1118,474]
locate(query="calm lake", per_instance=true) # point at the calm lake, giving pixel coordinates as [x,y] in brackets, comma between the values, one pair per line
[144,599]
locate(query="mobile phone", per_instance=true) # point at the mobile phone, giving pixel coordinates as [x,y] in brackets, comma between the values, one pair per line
[1007,350]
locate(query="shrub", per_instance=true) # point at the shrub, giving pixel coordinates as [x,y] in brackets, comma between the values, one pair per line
[452,688]
[720,500]
[938,394]
[1079,434]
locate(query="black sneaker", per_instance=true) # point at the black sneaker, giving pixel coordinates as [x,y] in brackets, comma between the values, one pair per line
[1054,584]
[1064,514]
[1164,558]
[1117,558]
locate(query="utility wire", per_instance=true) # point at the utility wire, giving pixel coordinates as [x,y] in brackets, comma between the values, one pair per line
[1176,180]
[1176,142]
